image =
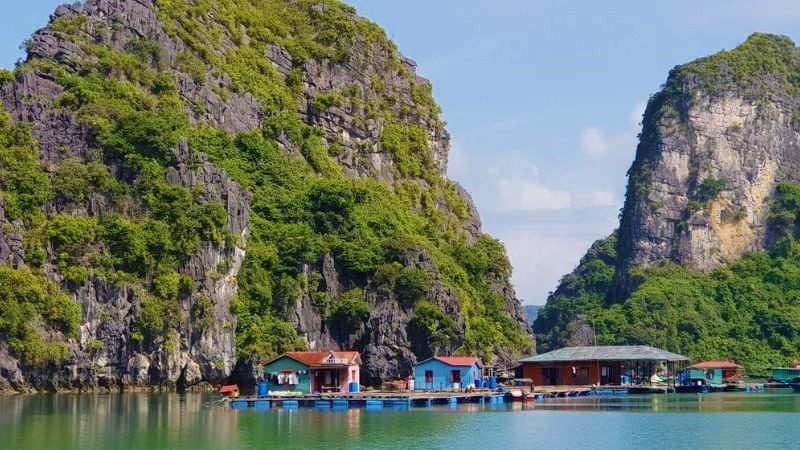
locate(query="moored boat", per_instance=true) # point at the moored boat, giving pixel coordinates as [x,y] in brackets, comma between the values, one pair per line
[693,386]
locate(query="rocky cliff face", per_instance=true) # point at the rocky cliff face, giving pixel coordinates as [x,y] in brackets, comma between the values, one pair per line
[716,141]
[719,144]
[361,102]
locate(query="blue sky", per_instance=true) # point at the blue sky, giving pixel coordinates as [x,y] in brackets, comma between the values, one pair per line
[543,100]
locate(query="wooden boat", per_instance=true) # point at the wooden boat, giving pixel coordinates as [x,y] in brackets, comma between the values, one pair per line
[730,387]
[693,386]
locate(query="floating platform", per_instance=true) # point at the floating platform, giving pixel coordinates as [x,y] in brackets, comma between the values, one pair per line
[370,401]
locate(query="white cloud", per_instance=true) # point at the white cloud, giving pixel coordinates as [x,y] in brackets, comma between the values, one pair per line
[519,194]
[595,199]
[593,142]
[636,115]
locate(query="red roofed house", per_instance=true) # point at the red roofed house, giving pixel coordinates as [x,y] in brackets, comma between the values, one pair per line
[716,374]
[447,372]
[313,372]
[230,390]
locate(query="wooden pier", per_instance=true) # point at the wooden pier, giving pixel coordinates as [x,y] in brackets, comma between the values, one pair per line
[369,400]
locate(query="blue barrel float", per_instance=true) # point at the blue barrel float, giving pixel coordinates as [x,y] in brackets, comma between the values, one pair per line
[341,404]
[479,383]
[354,387]
[322,404]
[374,404]
[261,404]
[239,404]
[290,404]
[263,390]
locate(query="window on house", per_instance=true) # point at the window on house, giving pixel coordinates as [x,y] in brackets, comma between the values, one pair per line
[429,376]
[456,376]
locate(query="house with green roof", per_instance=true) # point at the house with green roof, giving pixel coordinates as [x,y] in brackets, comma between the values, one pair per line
[600,365]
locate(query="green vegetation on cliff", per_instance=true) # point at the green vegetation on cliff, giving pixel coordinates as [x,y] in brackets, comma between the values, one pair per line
[747,311]
[303,207]
[763,62]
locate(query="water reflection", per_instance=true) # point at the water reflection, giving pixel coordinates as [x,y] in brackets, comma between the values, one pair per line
[154,421]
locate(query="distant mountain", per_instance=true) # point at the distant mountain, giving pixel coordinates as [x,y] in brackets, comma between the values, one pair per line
[532,312]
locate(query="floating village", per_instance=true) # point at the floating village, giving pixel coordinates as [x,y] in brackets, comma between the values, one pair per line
[331,379]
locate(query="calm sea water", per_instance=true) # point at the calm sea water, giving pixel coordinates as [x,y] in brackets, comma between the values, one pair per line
[167,421]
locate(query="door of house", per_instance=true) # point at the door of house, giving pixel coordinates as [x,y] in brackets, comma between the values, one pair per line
[581,376]
[456,376]
[550,376]
[327,380]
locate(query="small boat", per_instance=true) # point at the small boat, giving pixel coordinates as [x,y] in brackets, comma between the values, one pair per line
[693,386]
[529,397]
[795,384]
[517,395]
[729,387]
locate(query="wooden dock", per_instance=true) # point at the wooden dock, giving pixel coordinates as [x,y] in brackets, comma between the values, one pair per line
[369,400]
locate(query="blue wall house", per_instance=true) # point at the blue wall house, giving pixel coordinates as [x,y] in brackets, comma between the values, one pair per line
[446,372]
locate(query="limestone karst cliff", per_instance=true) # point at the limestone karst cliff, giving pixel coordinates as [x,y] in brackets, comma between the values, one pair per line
[710,190]
[191,187]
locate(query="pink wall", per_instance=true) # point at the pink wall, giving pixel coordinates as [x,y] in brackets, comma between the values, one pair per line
[351,374]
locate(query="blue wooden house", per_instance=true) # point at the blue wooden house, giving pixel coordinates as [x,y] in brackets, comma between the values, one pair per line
[446,372]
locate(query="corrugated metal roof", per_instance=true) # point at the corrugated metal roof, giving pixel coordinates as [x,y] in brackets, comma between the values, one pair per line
[458,361]
[716,365]
[607,353]
[317,359]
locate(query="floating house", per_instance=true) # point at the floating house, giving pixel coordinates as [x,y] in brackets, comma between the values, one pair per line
[715,373]
[230,390]
[782,376]
[314,372]
[446,372]
[604,365]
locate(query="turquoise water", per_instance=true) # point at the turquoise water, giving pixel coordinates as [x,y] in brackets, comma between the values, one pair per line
[166,421]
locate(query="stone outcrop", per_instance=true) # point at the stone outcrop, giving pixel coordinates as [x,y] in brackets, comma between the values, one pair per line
[737,140]
[105,355]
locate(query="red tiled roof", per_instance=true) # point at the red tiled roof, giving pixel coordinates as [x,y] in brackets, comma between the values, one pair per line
[716,365]
[228,389]
[320,358]
[457,360]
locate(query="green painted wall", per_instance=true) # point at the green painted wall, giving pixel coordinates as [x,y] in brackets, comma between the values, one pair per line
[701,373]
[785,375]
[287,363]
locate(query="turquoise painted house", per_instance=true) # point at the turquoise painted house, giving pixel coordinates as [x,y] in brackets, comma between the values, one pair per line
[715,372]
[313,372]
[446,372]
